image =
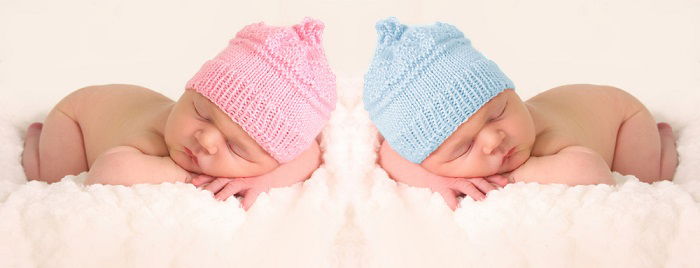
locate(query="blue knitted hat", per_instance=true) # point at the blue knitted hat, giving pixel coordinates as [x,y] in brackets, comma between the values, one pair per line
[423,82]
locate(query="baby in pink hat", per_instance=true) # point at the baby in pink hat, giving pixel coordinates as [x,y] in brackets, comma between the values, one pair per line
[247,121]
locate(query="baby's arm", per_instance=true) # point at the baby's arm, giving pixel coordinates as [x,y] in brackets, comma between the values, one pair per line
[573,165]
[126,165]
[413,174]
[297,170]
[284,175]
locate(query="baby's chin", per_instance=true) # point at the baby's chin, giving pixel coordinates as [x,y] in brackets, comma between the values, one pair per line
[186,166]
[511,166]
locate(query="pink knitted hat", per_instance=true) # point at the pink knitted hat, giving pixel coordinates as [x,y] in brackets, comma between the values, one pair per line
[275,83]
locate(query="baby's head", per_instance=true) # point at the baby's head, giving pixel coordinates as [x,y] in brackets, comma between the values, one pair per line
[440,103]
[259,103]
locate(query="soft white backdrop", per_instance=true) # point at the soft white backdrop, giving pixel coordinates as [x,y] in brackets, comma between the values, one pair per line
[650,48]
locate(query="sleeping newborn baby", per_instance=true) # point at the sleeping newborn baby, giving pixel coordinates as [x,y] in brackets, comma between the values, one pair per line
[247,121]
[452,122]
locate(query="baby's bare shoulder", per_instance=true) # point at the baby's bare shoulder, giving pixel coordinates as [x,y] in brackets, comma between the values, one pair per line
[583,115]
[117,115]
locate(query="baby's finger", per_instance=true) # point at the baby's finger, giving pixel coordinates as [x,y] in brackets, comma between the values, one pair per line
[468,189]
[216,185]
[250,198]
[199,180]
[450,198]
[498,180]
[232,188]
[482,185]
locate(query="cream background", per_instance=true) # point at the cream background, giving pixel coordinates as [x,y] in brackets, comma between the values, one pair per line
[650,48]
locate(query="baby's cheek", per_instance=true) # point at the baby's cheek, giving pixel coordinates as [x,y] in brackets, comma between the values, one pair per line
[476,165]
[228,165]
[236,166]
[453,168]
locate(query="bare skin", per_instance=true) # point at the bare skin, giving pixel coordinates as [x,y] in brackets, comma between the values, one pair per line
[125,134]
[574,134]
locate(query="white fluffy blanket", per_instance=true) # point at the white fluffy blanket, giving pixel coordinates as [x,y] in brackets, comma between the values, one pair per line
[349,214]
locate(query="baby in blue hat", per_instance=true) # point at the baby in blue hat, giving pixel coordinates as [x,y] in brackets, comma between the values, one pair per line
[451,121]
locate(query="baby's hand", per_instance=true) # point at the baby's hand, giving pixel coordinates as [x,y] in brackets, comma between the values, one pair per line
[402,170]
[476,188]
[223,188]
[249,188]
[500,179]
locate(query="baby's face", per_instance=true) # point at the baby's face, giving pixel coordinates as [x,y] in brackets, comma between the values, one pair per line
[201,138]
[497,138]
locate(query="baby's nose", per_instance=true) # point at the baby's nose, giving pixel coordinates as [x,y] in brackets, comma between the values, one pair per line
[207,140]
[493,142]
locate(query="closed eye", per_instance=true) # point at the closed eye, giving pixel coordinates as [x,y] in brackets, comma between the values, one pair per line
[503,111]
[468,148]
[234,150]
[198,113]
[500,114]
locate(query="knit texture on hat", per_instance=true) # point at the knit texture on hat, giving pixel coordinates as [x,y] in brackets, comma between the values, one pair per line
[275,83]
[425,81]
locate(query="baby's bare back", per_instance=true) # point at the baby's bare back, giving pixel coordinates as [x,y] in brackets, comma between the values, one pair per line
[607,120]
[584,115]
[119,115]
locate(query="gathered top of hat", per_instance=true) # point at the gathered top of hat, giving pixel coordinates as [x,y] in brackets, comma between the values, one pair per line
[275,82]
[423,82]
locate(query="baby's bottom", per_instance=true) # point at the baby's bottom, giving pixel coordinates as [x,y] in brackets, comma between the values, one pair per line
[55,149]
[645,149]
